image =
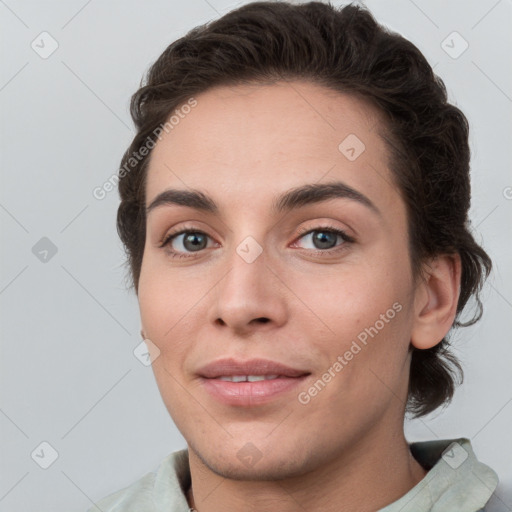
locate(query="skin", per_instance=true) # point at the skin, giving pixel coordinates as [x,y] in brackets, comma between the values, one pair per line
[345,449]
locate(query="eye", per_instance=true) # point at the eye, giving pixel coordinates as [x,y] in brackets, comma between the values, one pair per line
[185,241]
[325,238]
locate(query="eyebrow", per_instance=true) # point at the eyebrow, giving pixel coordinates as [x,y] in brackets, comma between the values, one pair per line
[292,199]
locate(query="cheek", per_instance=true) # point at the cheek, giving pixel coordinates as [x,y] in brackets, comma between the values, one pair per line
[350,299]
[362,314]
[164,298]
[364,349]
[163,312]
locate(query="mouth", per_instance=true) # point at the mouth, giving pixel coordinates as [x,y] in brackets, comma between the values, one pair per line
[250,383]
[247,378]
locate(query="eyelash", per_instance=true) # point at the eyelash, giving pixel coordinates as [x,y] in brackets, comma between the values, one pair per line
[304,231]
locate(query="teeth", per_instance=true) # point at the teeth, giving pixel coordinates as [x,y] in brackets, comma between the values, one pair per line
[247,378]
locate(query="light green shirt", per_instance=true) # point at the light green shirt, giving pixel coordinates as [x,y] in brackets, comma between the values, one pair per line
[456,482]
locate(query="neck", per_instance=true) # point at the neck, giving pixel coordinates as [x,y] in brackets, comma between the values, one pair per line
[366,477]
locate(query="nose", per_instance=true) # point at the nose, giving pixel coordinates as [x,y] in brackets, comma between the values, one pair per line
[251,296]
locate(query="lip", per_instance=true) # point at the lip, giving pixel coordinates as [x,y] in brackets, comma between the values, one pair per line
[247,394]
[230,366]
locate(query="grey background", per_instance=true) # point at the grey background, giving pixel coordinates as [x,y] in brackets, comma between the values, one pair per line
[69,327]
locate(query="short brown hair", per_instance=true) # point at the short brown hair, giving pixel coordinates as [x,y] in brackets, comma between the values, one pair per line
[346,50]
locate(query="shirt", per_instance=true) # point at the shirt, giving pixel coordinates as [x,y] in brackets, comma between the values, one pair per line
[455,482]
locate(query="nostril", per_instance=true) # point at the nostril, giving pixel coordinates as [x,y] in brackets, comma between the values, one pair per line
[263,320]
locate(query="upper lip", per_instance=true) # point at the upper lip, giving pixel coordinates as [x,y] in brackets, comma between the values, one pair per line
[230,366]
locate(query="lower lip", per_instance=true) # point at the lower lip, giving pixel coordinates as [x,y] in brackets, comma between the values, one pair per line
[247,394]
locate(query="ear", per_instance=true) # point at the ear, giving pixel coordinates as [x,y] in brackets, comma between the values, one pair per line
[435,302]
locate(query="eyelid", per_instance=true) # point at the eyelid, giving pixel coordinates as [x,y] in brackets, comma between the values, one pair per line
[325,227]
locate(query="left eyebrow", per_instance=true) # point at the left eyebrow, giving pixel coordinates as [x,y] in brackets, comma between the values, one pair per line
[292,199]
[318,192]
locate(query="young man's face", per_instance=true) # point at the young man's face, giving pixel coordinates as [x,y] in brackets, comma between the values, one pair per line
[259,282]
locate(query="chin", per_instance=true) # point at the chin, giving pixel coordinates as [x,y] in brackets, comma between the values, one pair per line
[248,463]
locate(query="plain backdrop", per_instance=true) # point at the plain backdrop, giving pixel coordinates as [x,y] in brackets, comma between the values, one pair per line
[69,377]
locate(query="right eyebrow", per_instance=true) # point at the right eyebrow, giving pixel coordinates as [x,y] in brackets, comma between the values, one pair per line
[191,198]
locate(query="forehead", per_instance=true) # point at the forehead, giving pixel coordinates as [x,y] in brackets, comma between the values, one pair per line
[250,142]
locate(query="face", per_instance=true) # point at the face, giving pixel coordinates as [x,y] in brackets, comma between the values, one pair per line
[315,289]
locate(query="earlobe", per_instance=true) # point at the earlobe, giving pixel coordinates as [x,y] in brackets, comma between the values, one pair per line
[436,299]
